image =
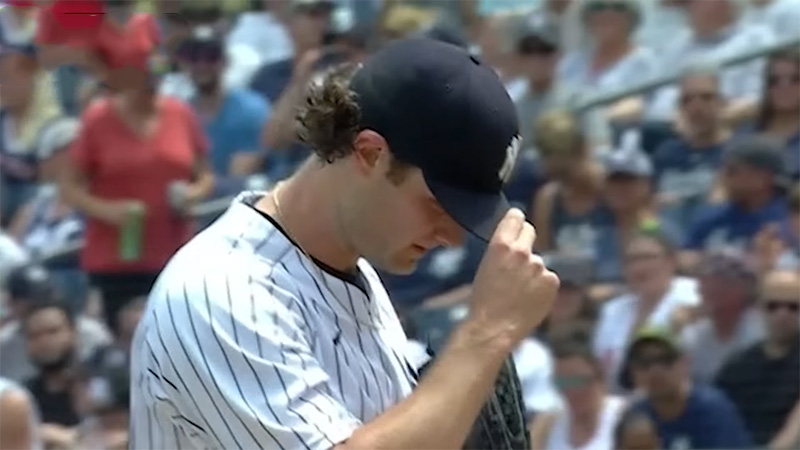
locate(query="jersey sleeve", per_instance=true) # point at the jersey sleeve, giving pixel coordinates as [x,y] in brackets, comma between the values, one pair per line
[248,367]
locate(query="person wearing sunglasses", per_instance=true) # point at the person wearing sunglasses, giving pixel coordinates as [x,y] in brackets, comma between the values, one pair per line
[687,415]
[764,379]
[589,414]
[779,110]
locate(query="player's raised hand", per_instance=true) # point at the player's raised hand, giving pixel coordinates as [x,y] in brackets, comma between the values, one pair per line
[513,290]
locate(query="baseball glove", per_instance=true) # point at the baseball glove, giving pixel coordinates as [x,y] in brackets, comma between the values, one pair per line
[501,423]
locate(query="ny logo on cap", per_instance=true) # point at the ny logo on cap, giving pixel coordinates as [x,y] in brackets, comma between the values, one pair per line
[511,158]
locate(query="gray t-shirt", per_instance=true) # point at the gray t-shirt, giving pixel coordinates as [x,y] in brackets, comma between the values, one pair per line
[707,352]
[14,363]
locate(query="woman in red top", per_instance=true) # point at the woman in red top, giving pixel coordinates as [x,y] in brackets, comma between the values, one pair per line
[132,146]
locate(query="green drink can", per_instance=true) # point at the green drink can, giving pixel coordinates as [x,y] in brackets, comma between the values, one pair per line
[132,233]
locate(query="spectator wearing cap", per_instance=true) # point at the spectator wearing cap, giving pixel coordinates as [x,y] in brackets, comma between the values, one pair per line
[762,379]
[132,147]
[27,105]
[47,224]
[27,286]
[686,415]
[715,32]
[568,210]
[728,283]
[655,297]
[778,114]
[612,59]
[232,117]
[687,165]
[630,199]
[752,179]
[538,50]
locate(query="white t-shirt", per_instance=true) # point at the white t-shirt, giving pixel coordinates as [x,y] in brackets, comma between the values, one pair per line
[617,316]
[535,370]
[603,438]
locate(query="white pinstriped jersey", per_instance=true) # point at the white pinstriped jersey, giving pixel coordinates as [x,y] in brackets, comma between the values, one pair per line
[248,343]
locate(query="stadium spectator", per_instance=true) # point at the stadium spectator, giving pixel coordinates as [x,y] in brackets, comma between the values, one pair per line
[132,147]
[752,169]
[630,200]
[657,297]
[27,106]
[573,309]
[28,286]
[47,223]
[561,14]
[728,282]
[781,16]
[51,342]
[307,23]
[662,21]
[762,380]
[686,166]
[17,23]
[19,428]
[716,31]
[263,31]
[779,115]
[568,210]
[612,59]
[589,415]
[232,118]
[636,431]
[777,245]
[538,51]
[686,415]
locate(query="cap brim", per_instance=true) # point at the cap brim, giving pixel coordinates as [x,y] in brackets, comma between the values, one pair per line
[478,212]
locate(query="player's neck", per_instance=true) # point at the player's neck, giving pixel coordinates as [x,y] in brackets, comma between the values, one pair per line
[306,210]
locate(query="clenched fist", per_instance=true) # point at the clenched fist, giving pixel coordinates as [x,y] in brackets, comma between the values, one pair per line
[513,290]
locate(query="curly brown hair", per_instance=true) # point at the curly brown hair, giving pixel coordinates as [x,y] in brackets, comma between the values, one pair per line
[330,119]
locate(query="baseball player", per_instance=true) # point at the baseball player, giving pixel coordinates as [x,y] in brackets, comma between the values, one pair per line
[271,329]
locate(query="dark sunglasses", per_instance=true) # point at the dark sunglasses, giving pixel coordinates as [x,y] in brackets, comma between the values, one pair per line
[774,80]
[704,97]
[648,361]
[777,305]
[565,383]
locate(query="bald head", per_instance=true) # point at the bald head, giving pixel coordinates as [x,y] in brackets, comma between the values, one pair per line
[780,300]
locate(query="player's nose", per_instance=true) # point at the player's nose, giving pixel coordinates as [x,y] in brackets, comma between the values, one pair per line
[448,232]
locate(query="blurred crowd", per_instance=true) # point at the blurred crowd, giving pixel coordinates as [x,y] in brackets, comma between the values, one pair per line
[671,213]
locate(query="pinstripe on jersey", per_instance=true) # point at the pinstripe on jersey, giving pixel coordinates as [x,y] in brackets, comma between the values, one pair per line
[247,343]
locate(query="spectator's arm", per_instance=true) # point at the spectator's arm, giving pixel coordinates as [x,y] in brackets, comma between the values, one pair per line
[202,176]
[542,210]
[279,132]
[20,221]
[540,428]
[789,435]
[626,110]
[248,160]
[58,437]
[16,432]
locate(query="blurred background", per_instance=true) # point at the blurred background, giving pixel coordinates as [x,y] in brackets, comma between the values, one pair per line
[660,167]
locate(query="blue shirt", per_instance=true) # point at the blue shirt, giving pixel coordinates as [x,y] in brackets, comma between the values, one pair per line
[687,174]
[710,421]
[727,225]
[236,127]
[272,79]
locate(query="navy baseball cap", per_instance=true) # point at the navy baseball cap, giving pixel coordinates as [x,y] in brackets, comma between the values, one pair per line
[444,111]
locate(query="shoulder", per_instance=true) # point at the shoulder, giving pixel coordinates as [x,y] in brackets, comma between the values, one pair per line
[97,110]
[709,397]
[248,101]
[93,329]
[616,306]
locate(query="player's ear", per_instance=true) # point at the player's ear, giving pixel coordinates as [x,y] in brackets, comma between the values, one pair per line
[369,148]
